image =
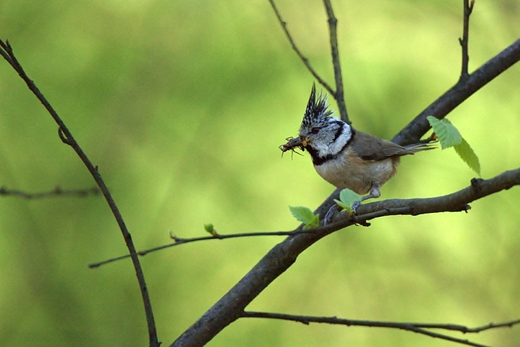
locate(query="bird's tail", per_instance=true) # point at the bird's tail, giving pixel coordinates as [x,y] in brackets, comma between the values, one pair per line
[422,146]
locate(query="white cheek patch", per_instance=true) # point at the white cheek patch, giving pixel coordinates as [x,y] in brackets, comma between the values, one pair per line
[340,142]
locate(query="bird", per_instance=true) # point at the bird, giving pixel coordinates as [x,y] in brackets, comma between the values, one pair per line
[346,157]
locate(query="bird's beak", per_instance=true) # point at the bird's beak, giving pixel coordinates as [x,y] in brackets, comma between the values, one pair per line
[305,141]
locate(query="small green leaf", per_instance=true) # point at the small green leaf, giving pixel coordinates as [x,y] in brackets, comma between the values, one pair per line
[448,135]
[302,214]
[347,198]
[342,205]
[305,215]
[467,154]
[315,222]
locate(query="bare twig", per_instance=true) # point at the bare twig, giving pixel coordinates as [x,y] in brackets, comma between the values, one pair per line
[464,41]
[56,192]
[66,136]
[283,255]
[334,48]
[181,241]
[304,59]
[354,322]
[419,328]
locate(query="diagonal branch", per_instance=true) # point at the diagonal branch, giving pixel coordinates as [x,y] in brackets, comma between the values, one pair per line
[304,59]
[459,93]
[231,306]
[66,137]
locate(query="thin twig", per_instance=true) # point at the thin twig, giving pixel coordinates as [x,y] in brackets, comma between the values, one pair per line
[414,327]
[181,241]
[67,137]
[334,48]
[56,192]
[464,41]
[304,59]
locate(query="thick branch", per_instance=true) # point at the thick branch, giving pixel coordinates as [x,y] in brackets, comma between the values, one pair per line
[231,306]
[458,93]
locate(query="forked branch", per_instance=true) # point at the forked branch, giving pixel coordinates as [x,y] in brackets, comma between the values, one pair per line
[464,40]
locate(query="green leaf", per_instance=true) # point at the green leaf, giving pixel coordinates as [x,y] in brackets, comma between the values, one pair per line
[305,215]
[347,198]
[467,154]
[315,222]
[448,135]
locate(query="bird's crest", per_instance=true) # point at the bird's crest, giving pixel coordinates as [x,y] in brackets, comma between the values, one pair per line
[317,109]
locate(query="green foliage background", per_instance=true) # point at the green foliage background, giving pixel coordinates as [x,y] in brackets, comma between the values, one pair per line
[182,105]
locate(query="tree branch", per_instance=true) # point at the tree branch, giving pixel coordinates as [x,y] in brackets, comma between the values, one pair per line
[231,306]
[66,137]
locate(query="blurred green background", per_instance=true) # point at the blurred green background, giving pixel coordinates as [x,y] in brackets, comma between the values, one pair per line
[182,105]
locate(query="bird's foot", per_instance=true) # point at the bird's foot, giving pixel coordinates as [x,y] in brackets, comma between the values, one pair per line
[355,206]
[331,214]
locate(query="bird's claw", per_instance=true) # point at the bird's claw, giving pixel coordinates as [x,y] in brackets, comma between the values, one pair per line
[331,213]
[355,206]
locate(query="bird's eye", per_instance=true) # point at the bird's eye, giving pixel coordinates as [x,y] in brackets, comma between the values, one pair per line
[315,130]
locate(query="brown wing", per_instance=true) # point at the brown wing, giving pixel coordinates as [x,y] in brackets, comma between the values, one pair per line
[369,147]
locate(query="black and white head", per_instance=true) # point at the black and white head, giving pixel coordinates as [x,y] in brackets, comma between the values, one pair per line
[322,135]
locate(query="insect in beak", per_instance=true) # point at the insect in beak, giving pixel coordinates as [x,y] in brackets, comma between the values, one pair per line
[291,145]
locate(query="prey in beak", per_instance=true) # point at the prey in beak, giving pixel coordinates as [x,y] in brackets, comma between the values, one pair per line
[293,144]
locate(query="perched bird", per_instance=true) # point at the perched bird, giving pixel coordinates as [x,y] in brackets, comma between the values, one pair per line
[344,156]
